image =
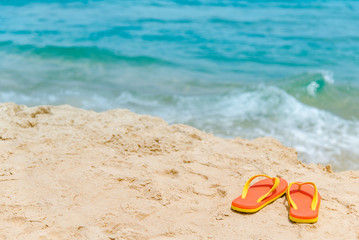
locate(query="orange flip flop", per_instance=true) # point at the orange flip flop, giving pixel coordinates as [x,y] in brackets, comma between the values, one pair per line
[260,194]
[304,201]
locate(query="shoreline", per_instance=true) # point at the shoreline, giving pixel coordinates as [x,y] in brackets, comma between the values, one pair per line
[73,173]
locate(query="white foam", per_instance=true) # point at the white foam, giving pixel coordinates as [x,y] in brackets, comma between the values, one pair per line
[312,88]
[319,136]
[327,75]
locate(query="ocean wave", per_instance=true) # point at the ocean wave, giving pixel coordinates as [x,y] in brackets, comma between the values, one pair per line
[319,89]
[318,135]
[76,53]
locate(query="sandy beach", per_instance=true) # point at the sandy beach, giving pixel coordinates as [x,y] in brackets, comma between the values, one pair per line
[68,173]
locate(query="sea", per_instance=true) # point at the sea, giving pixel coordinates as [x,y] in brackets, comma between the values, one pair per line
[249,69]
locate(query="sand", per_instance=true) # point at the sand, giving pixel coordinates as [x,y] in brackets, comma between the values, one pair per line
[67,173]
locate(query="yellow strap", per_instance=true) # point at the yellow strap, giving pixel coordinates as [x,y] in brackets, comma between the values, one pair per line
[315,197]
[246,186]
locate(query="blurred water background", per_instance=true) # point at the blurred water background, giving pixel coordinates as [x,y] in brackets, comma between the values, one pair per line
[287,69]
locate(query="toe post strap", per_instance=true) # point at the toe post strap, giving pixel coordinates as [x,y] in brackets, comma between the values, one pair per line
[246,186]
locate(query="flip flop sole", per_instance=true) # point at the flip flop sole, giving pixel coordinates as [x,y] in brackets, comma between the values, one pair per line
[301,198]
[253,210]
[300,220]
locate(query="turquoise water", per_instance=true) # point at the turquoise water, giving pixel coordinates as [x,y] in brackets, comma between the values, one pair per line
[287,69]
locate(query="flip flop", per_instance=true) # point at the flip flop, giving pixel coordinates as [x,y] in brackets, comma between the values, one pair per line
[304,201]
[260,194]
